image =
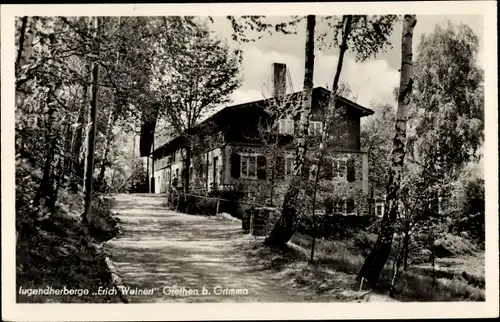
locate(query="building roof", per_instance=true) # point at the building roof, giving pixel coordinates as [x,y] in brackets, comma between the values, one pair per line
[319,90]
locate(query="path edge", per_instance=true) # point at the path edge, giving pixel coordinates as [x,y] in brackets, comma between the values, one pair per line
[116,280]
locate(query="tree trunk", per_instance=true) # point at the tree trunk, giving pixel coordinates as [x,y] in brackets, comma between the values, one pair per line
[108,136]
[46,189]
[64,159]
[315,190]
[24,52]
[346,29]
[89,167]
[112,118]
[187,166]
[332,113]
[371,203]
[406,246]
[395,269]
[77,146]
[375,262]
[273,179]
[288,221]
[58,174]
[22,35]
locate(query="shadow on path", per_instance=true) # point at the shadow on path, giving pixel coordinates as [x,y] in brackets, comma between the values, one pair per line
[160,248]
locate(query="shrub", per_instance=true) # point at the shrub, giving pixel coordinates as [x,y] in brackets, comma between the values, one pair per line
[469,207]
[230,200]
[335,226]
[195,205]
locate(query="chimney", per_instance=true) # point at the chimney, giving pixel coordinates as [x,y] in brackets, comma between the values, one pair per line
[279,80]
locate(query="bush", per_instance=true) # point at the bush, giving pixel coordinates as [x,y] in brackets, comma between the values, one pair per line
[230,200]
[364,242]
[195,205]
[335,226]
[469,209]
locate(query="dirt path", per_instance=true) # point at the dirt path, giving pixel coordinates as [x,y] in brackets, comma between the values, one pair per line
[200,258]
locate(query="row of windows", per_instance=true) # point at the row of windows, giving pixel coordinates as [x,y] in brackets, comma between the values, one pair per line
[166,160]
[286,126]
[254,166]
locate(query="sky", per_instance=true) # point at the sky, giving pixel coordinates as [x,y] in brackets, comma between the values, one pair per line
[371,81]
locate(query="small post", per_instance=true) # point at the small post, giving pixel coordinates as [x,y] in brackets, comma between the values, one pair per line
[217,209]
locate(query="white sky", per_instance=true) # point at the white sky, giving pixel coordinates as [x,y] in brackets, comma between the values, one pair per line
[373,80]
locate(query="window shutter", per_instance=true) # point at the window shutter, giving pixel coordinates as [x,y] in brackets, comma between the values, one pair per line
[306,169]
[351,170]
[328,170]
[261,167]
[350,205]
[235,165]
[280,167]
[342,165]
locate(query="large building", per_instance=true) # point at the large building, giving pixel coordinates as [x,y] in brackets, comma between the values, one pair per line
[232,147]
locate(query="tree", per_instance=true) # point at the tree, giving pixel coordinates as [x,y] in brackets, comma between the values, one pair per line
[274,145]
[365,36]
[89,160]
[286,224]
[374,263]
[467,206]
[449,104]
[376,138]
[52,96]
[201,75]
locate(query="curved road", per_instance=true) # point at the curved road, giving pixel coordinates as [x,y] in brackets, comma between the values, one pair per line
[168,256]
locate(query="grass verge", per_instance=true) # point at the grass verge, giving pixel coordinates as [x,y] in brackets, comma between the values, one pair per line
[412,285]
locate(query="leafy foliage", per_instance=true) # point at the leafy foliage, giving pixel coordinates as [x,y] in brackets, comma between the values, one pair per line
[439,192]
[368,36]
[376,136]
[194,73]
[449,101]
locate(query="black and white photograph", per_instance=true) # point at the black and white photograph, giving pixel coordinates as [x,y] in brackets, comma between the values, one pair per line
[254,156]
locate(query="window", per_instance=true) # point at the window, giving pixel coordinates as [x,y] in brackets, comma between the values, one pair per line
[351,170]
[289,166]
[339,168]
[252,166]
[285,126]
[379,210]
[261,167]
[315,128]
[248,166]
[338,207]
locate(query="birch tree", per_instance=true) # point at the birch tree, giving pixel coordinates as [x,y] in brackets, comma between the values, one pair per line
[286,225]
[375,262]
[89,159]
[365,36]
